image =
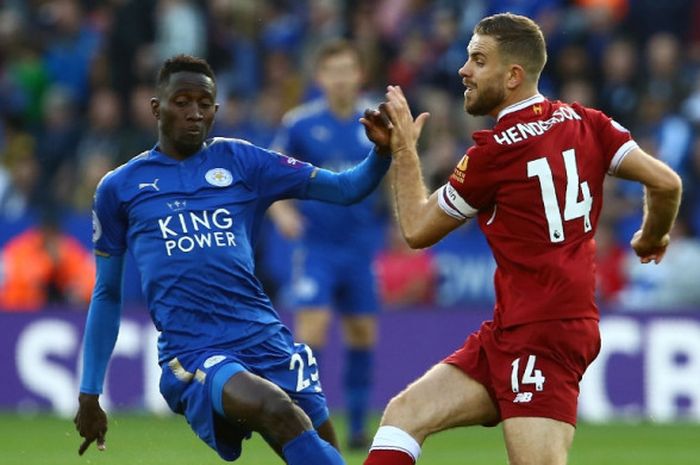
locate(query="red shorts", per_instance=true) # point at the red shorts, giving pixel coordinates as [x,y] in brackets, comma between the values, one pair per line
[531,370]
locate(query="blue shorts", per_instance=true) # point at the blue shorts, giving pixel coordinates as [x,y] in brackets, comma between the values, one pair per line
[185,385]
[343,280]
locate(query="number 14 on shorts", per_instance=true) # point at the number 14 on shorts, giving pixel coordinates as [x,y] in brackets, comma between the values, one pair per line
[531,375]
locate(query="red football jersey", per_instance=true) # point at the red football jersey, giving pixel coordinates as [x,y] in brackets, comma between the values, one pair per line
[535,181]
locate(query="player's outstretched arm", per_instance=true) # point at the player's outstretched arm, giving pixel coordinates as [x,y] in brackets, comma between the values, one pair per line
[349,186]
[422,221]
[352,185]
[101,330]
[662,197]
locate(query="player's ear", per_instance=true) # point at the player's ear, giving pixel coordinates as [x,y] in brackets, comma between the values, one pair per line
[155,107]
[516,76]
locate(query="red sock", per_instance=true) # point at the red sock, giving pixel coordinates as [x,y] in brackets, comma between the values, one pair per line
[388,457]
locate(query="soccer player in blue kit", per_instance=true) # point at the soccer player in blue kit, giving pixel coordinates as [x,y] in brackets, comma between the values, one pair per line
[332,260]
[188,211]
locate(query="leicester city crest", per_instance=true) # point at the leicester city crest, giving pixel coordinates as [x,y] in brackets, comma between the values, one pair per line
[220,177]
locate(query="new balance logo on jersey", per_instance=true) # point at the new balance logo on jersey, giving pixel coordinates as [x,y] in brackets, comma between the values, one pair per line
[186,231]
[153,184]
[522,398]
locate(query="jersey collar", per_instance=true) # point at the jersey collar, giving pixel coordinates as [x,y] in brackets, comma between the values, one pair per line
[537,98]
[195,158]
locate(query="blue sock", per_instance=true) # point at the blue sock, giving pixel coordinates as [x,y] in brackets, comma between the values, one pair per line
[359,365]
[309,449]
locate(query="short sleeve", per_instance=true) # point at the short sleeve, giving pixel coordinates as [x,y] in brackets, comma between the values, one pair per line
[615,140]
[471,186]
[109,223]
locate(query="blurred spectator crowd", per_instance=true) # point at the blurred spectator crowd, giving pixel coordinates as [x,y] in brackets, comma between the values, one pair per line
[76,78]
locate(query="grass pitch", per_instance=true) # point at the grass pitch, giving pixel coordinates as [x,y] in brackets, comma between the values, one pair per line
[147,440]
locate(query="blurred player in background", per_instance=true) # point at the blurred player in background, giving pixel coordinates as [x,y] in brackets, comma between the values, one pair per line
[189,210]
[535,184]
[332,266]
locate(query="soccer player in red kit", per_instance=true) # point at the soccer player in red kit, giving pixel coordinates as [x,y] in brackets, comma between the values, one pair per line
[535,184]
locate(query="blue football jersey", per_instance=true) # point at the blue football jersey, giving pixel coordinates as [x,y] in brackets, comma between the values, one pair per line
[312,133]
[191,227]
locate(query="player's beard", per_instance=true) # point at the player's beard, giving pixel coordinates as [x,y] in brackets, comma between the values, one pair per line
[487,98]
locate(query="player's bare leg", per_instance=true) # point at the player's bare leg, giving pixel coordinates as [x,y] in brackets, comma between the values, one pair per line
[537,441]
[257,404]
[311,326]
[327,433]
[360,331]
[263,407]
[444,397]
[274,446]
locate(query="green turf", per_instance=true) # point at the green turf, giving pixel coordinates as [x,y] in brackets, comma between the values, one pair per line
[147,440]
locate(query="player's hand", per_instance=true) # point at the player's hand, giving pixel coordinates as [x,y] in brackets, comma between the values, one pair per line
[405,131]
[377,129]
[91,422]
[648,250]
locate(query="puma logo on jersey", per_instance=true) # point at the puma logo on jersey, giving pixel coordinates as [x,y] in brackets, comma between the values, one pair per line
[522,398]
[153,184]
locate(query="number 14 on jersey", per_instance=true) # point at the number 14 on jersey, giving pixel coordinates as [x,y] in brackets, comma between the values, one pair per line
[573,208]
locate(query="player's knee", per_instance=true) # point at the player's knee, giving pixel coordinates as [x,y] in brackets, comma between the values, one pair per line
[313,338]
[312,334]
[361,340]
[277,409]
[311,326]
[360,332]
[399,411]
[281,420]
[408,413]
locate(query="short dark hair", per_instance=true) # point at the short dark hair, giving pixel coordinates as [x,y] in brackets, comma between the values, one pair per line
[180,63]
[519,38]
[337,47]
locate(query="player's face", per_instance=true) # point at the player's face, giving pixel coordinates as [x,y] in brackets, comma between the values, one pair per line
[484,76]
[340,76]
[185,111]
